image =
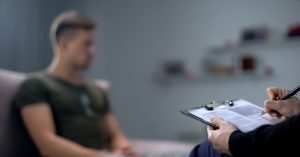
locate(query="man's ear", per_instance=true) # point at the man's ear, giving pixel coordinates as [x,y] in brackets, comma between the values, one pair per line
[62,43]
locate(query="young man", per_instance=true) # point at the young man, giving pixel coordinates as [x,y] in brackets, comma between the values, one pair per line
[66,115]
[267,140]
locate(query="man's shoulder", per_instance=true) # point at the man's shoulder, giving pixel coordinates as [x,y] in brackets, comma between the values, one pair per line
[39,80]
[100,84]
[35,78]
[95,87]
[31,90]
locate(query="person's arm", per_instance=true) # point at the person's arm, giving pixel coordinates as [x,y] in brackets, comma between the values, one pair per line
[265,140]
[269,140]
[40,125]
[120,142]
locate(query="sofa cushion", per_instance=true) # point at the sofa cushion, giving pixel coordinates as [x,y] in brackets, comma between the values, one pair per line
[14,139]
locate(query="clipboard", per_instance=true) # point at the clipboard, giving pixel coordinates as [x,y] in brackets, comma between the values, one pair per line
[242,113]
[210,106]
[185,112]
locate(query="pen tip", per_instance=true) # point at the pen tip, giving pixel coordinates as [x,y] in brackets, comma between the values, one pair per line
[262,112]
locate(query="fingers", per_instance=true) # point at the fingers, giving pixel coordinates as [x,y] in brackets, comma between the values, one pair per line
[271,92]
[117,151]
[130,152]
[217,120]
[274,92]
[273,108]
[219,138]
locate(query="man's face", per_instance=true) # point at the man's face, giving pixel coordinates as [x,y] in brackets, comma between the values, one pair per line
[80,49]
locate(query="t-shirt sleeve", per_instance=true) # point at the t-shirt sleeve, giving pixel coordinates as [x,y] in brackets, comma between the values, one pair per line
[101,97]
[31,91]
[107,108]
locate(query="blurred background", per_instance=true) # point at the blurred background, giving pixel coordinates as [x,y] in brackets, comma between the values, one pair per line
[165,55]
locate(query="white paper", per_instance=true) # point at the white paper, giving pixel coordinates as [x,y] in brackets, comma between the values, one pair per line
[244,114]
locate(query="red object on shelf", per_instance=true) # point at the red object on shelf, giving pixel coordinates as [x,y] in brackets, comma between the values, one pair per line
[294,30]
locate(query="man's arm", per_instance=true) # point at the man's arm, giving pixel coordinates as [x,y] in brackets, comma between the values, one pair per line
[119,141]
[40,125]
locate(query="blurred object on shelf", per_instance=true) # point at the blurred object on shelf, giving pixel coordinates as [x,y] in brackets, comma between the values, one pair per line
[174,70]
[189,74]
[254,65]
[248,63]
[268,70]
[218,64]
[257,33]
[259,38]
[222,70]
[245,64]
[294,30]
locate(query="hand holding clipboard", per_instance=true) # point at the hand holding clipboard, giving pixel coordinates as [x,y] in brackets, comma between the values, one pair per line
[242,113]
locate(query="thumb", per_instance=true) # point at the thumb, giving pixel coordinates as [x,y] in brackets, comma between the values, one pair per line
[272,107]
[217,120]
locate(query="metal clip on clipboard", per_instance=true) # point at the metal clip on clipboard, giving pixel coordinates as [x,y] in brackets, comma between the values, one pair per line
[210,107]
[213,104]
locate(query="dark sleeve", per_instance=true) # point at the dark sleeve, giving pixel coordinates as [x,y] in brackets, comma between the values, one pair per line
[269,140]
[31,91]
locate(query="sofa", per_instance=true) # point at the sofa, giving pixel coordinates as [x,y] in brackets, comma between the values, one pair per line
[14,140]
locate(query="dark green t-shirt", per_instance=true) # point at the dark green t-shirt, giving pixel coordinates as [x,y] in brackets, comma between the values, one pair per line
[78,111]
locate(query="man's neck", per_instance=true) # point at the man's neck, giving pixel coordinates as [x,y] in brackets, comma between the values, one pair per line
[66,72]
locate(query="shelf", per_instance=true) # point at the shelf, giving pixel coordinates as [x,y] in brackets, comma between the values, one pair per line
[213,79]
[255,45]
[239,77]
[230,64]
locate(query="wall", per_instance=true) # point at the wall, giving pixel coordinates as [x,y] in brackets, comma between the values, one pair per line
[135,36]
[24,34]
[140,34]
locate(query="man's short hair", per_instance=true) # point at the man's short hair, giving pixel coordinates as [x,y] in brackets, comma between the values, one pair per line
[67,23]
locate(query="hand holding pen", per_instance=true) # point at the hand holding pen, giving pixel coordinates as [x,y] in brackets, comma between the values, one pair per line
[282,102]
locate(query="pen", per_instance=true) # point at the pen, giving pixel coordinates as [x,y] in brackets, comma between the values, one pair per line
[289,95]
